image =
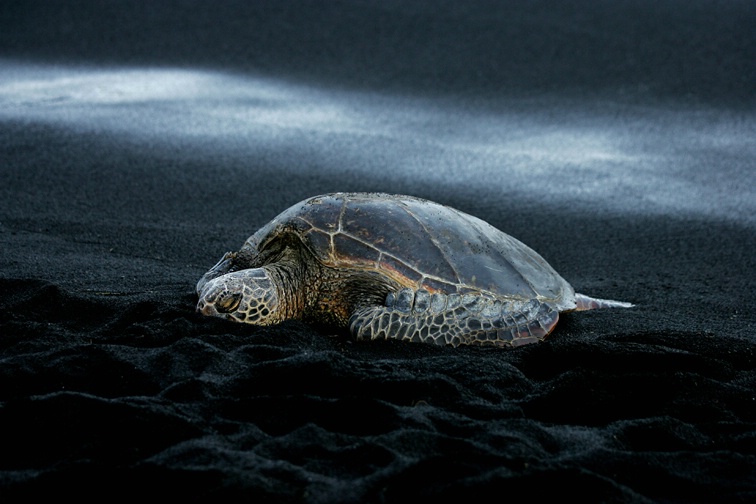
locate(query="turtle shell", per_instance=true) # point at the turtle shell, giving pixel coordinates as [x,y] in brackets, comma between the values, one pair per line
[418,244]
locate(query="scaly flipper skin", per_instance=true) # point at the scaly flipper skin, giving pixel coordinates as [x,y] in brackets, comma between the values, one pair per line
[454,319]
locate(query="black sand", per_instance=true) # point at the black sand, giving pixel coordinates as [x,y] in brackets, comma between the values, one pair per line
[141,140]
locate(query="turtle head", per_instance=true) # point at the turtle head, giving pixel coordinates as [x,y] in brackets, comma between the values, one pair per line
[248,296]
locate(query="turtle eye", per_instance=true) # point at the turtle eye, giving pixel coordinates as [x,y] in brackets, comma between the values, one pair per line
[228,302]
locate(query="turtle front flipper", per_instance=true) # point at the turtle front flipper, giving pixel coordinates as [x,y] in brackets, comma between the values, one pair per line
[454,319]
[225,265]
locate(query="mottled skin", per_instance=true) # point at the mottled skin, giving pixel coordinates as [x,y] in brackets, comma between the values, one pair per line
[389,266]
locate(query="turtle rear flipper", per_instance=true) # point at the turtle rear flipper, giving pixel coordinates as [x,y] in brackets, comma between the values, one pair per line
[588,303]
[454,319]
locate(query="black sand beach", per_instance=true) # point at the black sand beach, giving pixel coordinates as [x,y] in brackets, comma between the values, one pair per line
[139,141]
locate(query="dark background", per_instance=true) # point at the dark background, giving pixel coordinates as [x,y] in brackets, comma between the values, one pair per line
[141,140]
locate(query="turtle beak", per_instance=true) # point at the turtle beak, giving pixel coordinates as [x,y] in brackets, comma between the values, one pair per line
[221,268]
[206,309]
[204,306]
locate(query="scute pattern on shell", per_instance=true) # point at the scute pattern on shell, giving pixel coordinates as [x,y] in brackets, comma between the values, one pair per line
[419,244]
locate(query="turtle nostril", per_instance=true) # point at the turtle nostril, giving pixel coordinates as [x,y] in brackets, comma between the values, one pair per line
[228,302]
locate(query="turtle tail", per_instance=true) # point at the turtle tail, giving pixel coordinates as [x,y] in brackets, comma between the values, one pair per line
[588,303]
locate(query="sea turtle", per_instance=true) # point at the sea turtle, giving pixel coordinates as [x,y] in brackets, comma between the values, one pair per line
[391,266]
